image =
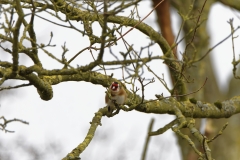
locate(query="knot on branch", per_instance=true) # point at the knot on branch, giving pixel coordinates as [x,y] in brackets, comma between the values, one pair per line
[46,92]
[228,108]
[43,87]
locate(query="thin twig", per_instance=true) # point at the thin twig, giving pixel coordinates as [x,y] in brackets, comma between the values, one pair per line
[234,62]
[164,129]
[160,98]
[144,153]
[135,24]
[196,27]
[6,122]
[14,87]
[216,45]
[219,133]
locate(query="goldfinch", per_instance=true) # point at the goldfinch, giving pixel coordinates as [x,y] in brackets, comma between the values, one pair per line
[118,96]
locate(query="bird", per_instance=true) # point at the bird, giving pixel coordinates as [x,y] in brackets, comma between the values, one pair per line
[118,96]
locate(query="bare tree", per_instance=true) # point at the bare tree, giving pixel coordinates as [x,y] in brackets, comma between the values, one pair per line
[191,86]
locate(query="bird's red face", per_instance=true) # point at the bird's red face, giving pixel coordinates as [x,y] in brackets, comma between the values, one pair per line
[115,86]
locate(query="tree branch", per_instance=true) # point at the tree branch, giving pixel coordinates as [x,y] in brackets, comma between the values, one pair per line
[231,3]
[96,121]
[16,30]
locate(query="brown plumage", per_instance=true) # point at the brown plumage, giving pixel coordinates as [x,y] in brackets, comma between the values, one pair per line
[118,96]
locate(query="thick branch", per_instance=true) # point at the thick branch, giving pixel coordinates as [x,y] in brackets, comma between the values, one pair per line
[223,109]
[164,21]
[96,121]
[16,35]
[197,109]
[36,4]
[44,88]
[231,3]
